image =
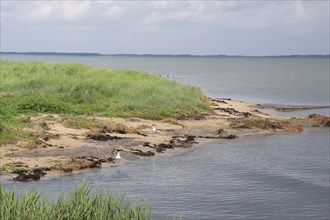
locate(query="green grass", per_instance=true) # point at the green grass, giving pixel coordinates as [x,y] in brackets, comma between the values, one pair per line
[34,87]
[75,88]
[81,203]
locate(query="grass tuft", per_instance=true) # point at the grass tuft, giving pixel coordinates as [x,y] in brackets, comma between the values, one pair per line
[81,203]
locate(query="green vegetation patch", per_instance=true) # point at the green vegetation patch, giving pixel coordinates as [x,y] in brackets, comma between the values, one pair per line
[34,87]
[81,203]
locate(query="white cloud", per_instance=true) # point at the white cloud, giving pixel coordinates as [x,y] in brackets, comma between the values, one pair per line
[113,11]
[221,14]
[227,14]
[40,12]
[34,12]
[154,25]
[73,10]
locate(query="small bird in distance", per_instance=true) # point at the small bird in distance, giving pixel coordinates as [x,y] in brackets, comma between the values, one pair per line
[154,129]
[118,157]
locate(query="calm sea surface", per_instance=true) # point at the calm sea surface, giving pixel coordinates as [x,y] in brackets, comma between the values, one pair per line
[272,177]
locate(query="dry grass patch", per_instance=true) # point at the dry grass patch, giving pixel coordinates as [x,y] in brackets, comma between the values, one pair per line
[293,128]
[266,124]
[172,121]
[72,164]
[321,120]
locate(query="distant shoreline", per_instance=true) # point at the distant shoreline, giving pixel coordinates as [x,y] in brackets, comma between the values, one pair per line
[164,55]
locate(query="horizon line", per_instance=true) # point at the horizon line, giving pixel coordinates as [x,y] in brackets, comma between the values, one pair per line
[159,55]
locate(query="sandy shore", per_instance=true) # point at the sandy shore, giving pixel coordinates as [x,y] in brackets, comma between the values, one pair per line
[60,149]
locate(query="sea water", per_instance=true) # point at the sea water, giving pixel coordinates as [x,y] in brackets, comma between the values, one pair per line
[271,177]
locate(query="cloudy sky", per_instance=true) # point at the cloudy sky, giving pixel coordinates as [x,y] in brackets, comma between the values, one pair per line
[167,27]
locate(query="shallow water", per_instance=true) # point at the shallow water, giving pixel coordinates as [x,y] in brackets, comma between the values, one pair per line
[271,177]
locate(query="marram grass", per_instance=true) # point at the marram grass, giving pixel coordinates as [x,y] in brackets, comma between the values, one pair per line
[75,89]
[80,204]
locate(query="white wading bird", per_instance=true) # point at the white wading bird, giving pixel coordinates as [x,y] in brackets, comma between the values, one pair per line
[154,129]
[118,157]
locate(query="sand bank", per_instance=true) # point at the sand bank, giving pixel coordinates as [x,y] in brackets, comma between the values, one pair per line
[61,149]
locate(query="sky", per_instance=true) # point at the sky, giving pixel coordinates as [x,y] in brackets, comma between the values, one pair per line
[241,27]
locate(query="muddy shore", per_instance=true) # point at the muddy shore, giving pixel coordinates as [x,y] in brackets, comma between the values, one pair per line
[61,149]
